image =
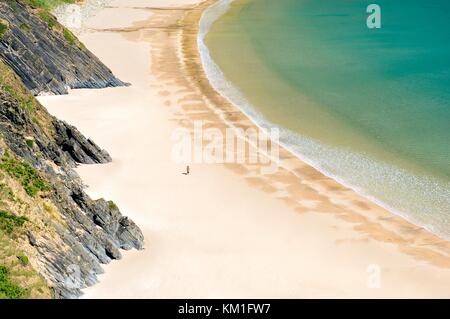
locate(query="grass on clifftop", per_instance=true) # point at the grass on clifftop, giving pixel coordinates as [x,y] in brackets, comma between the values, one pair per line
[44,8]
[47,4]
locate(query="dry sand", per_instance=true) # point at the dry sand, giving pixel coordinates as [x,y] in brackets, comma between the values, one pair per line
[225,230]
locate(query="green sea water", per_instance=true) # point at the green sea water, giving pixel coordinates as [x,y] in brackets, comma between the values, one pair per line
[369,107]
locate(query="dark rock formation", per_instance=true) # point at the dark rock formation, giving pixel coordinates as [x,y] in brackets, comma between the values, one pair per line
[85,233]
[82,150]
[94,230]
[107,216]
[48,59]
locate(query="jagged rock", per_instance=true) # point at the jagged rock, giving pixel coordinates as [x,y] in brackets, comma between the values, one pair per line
[129,234]
[94,231]
[107,216]
[112,251]
[46,60]
[82,150]
[31,238]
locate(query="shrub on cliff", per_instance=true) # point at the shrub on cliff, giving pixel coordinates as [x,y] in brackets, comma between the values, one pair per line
[8,222]
[24,261]
[9,290]
[47,4]
[30,179]
[3,28]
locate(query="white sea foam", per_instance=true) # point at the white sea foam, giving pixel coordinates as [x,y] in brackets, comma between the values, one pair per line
[426,199]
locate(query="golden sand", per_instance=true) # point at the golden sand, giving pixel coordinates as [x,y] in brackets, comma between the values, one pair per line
[226,230]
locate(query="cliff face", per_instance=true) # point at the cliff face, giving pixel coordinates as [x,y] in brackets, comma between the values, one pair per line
[50,229]
[47,57]
[77,232]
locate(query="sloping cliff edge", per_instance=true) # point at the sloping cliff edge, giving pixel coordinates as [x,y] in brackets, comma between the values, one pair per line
[48,57]
[53,236]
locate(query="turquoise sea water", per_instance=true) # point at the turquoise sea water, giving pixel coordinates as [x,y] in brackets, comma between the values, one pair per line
[370,107]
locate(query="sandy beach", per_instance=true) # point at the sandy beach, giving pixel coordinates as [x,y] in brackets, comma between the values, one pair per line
[226,230]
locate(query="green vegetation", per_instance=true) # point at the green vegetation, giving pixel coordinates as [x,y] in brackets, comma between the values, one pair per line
[6,193]
[24,261]
[10,83]
[30,179]
[25,27]
[26,102]
[69,36]
[30,143]
[47,4]
[112,205]
[3,28]
[8,222]
[9,290]
[18,278]
[48,18]
[44,7]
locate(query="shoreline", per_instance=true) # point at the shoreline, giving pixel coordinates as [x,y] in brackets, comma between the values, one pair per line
[341,217]
[232,94]
[371,200]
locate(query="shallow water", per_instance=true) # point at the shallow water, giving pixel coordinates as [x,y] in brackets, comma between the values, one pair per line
[370,107]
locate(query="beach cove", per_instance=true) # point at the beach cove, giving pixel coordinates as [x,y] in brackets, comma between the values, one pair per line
[367,107]
[225,231]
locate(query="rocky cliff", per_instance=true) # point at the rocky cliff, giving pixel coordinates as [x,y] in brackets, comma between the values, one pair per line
[47,57]
[53,236]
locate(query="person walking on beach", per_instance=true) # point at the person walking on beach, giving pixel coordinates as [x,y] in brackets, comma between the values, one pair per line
[187,171]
